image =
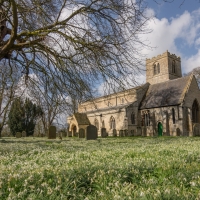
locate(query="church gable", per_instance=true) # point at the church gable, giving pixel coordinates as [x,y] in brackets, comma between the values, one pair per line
[82,119]
[164,94]
[192,93]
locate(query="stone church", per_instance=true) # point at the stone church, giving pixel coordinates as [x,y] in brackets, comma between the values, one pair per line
[167,104]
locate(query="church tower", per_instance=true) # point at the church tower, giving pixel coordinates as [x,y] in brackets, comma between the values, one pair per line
[162,68]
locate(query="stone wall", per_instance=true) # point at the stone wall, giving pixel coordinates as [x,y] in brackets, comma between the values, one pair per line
[165,61]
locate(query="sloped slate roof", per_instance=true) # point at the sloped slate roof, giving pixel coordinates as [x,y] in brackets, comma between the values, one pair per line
[82,118]
[166,93]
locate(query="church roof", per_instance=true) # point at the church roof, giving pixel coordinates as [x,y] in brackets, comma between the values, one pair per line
[166,93]
[82,119]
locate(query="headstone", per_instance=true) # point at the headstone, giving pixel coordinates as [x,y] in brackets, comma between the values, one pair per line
[52,132]
[121,133]
[18,135]
[178,132]
[196,130]
[81,133]
[91,132]
[126,132]
[76,134]
[131,133]
[69,134]
[103,133]
[114,133]
[23,133]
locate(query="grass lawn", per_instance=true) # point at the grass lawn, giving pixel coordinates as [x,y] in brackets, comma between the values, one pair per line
[103,169]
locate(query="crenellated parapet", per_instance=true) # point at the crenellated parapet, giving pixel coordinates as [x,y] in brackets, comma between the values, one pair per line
[160,56]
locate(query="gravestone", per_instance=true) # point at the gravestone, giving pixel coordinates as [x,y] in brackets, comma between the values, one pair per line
[114,133]
[76,134]
[121,133]
[196,130]
[126,132]
[23,133]
[131,133]
[18,135]
[91,132]
[69,133]
[52,132]
[178,132]
[103,133]
[81,133]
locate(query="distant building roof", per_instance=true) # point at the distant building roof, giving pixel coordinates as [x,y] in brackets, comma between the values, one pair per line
[166,93]
[82,119]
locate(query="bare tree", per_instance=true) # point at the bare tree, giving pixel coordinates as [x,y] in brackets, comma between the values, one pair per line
[76,43]
[9,83]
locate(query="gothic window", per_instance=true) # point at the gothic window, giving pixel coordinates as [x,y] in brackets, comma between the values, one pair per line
[112,123]
[195,112]
[173,116]
[173,67]
[147,118]
[132,118]
[154,69]
[96,123]
[158,68]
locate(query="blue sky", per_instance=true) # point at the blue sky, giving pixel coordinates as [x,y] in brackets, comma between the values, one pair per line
[175,28]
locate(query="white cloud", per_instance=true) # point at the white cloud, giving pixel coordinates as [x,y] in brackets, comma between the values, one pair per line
[165,33]
[191,62]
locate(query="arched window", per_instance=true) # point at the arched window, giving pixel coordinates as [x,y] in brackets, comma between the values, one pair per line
[158,68]
[147,119]
[195,112]
[122,100]
[154,69]
[173,116]
[112,123]
[132,118]
[96,123]
[173,67]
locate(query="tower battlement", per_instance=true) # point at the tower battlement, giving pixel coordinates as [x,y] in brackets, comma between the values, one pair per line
[163,67]
[167,53]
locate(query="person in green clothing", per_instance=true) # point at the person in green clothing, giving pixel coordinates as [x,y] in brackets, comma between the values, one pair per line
[160,129]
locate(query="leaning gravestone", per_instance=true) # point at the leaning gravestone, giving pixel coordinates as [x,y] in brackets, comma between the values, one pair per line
[81,133]
[91,132]
[114,133]
[23,133]
[52,132]
[18,135]
[103,133]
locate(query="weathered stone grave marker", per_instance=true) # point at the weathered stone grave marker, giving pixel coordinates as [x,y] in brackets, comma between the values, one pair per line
[126,132]
[91,132]
[69,133]
[196,130]
[23,133]
[18,135]
[114,133]
[81,133]
[103,133]
[52,132]
[121,133]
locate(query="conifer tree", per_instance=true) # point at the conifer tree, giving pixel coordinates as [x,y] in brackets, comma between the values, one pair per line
[23,116]
[16,117]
